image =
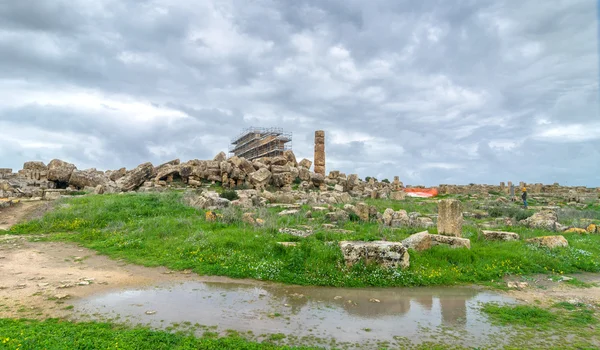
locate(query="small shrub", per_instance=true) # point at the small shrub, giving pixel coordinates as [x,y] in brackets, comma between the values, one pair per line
[385,181]
[297,181]
[230,194]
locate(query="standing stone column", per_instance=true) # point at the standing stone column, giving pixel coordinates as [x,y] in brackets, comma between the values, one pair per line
[450,218]
[511,189]
[320,152]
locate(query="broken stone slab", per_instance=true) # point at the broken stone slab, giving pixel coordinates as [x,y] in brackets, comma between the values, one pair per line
[296,232]
[136,177]
[424,240]
[549,241]
[51,195]
[386,254]
[289,212]
[500,236]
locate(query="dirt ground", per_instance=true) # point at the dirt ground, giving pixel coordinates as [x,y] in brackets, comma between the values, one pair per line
[39,279]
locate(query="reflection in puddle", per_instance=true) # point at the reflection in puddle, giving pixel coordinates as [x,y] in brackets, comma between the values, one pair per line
[345,315]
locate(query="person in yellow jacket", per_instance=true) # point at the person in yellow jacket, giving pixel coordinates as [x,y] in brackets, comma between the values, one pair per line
[524,197]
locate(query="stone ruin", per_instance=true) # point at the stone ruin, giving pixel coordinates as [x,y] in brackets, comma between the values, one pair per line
[280,177]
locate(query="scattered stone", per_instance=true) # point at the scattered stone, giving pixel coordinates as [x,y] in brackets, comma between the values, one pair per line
[288,244]
[549,241]
[83,283]
[289,212]
[42,285]
[61,296]
[20,286]
[337,297]
[565,278]
[373,300]
[576,230]
[450,218]
[500,236]
[424,240]
[593,228]
[296,232]
[150,312]
[517,285]
[387,254]
[260,222]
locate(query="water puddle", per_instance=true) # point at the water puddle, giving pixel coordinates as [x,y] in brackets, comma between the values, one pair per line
[325,315]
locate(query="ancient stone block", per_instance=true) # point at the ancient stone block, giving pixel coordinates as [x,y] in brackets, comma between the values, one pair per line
[387,254]
[450,217]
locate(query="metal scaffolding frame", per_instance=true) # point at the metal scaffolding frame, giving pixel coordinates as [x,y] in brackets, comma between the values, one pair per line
[254,143]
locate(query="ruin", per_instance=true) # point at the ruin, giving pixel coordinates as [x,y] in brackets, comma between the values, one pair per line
[253,143]
[320,152]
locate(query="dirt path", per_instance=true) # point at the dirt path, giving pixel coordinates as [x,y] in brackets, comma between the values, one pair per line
[22,211]
[543,289]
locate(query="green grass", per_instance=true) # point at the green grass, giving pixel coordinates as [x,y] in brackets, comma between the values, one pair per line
[562,315]
[55,334]
[159,230]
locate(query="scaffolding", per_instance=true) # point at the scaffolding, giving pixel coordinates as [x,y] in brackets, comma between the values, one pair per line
[254,143]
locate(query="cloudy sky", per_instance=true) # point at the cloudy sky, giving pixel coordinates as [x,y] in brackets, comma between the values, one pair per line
[433,91]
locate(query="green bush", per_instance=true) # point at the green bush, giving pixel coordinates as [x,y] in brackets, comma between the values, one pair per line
[230,194]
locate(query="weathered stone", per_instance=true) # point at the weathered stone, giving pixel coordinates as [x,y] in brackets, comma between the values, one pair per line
[60,171]
[291,157]
[545,219]
[549,241]
[424,222]
[500,236]
[338,216]
[317,179]
[205,200]
[424,240]
[320,152]
[397,195]
[576,230]
[289,212]
[296,232]
[362,211]
[87,178]
[282,179]
[279,160]
[276,169]
[260,178]
[592,228]
[338,188]
[136,177]
[450,217]
[117,174]
[305,163]
[221,157]
[99,189]
[387,254]
[36,166]
[51,195]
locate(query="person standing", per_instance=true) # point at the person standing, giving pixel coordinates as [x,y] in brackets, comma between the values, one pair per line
[524,197]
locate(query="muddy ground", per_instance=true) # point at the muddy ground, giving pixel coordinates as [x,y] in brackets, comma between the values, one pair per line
[40,279]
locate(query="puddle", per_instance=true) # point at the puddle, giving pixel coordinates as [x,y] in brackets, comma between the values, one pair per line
[351,316]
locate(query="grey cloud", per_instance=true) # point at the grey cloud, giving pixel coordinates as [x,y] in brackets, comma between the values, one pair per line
[430,83]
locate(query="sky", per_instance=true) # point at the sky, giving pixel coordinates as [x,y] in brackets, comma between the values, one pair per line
[432,91]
